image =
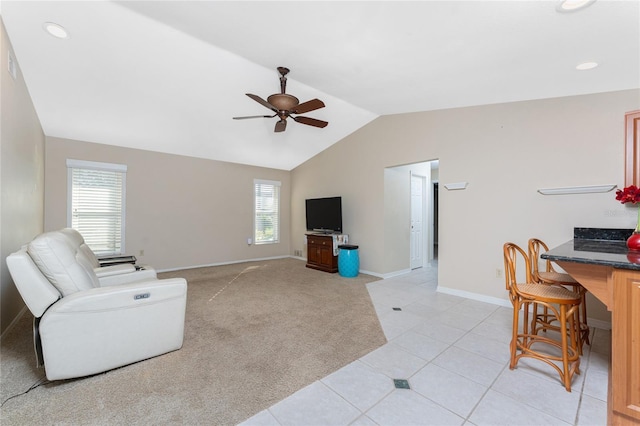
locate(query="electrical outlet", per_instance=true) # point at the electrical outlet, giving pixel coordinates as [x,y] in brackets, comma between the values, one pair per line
[498,273]
[249,241]
[141,253]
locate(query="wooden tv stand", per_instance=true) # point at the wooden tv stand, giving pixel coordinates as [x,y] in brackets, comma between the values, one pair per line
[320,253]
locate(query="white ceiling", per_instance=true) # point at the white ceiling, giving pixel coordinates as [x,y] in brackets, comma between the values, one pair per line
[169,76]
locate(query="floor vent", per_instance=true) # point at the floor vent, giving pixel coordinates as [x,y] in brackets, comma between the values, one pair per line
[401,384]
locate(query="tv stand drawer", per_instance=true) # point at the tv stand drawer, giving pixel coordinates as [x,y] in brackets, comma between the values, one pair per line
[320,253]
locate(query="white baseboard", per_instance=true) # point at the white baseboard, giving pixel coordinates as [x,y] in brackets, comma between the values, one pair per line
[389,274]
[474,296]
[374,274]
[604,325]
[304,259]
[224,263]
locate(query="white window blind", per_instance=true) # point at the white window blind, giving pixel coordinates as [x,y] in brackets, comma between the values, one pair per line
[97,204]
[267,211]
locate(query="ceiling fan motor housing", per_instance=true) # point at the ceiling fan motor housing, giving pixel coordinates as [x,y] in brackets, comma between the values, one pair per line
[283,101]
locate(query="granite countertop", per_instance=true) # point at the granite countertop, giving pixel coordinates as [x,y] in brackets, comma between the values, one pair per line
[597,246]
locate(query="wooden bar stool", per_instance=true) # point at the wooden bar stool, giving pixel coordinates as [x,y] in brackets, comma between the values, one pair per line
[550,276]
[560,302]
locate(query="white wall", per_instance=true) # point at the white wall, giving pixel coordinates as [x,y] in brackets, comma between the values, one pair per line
[506,152]
[397,217]
[22,176]
[181,211]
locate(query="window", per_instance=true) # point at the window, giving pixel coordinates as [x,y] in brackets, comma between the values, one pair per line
[267,211]
[96,194]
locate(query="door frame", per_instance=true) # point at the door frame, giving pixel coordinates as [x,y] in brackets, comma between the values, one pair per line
[423,247]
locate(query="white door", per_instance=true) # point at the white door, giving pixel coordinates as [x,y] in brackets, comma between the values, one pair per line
[417,221]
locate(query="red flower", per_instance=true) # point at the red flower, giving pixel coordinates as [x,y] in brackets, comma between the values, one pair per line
[631,194]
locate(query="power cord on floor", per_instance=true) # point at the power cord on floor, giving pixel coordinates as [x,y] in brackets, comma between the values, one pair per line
[40,382]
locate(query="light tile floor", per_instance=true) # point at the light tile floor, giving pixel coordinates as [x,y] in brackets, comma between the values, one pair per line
[454,353]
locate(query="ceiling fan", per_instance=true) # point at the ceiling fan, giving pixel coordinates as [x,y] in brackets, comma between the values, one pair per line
[285,106]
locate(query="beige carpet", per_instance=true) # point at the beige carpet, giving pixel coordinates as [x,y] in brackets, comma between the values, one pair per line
[254,333]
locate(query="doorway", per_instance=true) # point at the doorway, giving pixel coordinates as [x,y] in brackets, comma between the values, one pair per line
[424,213]
[411,215]
[435,220]
[418,213]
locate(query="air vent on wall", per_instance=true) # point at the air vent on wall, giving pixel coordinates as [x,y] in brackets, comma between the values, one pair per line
[13,67]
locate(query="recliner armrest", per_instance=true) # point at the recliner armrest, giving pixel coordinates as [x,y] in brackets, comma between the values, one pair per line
[138,275]
[107,271]
[121,297]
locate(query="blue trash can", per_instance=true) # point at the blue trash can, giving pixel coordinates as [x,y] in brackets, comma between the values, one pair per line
[348,260]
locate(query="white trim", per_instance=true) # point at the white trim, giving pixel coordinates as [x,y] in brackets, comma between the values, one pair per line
[95,165]
[475,296]
[267,182]
[123,214]
[275,184]
[108,167]
[593,322]
[363,271]
[69,194]
[390,274]
[232,262]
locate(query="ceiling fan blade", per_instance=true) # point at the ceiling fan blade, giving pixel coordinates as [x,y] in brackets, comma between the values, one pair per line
[262,102]
[311,121]
[280,126]
[311,105]
[253,116]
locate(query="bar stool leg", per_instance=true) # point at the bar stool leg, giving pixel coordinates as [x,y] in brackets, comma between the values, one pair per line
[584,327]
[514,335]
[575,336]
[565,352]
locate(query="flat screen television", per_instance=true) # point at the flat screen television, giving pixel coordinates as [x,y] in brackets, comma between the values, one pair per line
[324,214]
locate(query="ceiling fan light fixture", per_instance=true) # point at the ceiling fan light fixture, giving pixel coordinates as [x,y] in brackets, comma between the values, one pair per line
[283,101]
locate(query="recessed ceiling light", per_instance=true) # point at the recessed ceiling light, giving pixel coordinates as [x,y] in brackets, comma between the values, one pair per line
[55,30]
[586,66]
[573,5]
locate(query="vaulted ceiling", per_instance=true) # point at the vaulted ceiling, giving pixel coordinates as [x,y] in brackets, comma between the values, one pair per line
[169,76]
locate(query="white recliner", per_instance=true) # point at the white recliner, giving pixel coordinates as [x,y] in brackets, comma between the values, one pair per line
[85,324]
[108,275]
